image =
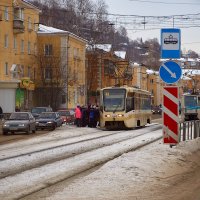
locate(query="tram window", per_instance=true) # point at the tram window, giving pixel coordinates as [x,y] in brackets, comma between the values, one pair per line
[146,103]
[129,104]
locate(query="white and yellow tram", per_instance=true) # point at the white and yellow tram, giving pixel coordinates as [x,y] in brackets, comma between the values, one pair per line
[124,107]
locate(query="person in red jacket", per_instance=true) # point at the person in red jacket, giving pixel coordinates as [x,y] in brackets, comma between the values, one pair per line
[78,116]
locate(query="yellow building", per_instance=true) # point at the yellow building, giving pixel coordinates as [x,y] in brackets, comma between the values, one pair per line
[18,39]
[61,81]
[148,80]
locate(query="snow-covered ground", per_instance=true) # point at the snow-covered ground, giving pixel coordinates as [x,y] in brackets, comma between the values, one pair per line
[155,172]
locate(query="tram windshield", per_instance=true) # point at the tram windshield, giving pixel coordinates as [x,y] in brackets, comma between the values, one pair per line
[113,99]
[190,101]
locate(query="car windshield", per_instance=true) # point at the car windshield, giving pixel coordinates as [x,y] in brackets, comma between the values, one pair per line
[19,116]
[64,113]
[38,110]
[47,115]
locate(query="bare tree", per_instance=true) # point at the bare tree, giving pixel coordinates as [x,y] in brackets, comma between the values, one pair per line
[52,80]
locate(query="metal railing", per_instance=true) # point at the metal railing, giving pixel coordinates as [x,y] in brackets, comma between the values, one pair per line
[189,130]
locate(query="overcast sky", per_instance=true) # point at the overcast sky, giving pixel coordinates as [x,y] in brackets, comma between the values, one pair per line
[190,37]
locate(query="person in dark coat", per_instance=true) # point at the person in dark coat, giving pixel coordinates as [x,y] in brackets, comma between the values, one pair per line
[84,119]
[1,113]
[92,117]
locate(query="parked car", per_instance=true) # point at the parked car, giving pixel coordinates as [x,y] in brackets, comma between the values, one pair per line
[67,116]
[48,120]
[36,111]
[20,122]
[156,110]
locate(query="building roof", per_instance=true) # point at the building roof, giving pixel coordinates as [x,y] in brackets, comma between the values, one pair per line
[48,29]
[28,3]
[51,30]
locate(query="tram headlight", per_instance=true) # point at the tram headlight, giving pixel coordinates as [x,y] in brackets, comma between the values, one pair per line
[107,115]
[120,115]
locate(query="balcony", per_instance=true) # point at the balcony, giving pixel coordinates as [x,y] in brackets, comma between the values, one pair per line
[18,26]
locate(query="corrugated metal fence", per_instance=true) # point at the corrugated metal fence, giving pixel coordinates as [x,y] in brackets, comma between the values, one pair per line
[189,130]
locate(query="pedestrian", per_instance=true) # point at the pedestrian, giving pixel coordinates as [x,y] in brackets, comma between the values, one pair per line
[92,117]
[78,116]
[97,116]
[1,113]
[84,116]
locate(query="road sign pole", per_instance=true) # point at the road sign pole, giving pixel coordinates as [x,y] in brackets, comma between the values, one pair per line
[170,115]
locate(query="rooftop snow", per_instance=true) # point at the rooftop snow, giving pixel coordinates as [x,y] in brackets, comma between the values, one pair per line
[104,47]
[48,29]
[120,54]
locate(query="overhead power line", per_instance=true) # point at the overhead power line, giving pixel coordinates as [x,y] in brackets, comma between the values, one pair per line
[162,2]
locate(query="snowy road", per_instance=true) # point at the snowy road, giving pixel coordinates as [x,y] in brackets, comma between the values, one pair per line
[29,166]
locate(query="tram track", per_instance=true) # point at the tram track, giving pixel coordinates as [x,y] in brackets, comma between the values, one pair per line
[35,159]
[88,161]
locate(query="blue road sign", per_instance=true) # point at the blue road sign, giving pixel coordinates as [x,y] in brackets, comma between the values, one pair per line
[170,72]
[170,43]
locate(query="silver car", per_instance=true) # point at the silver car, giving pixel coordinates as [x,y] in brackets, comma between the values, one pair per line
[20,122]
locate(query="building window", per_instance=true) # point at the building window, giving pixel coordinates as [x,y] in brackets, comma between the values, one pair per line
[22,70]
[21,14]
[29,24]
[35,26]
[29,72]
[35,48]
[47,73]
[6,41]
[6,68]
[15,42]
[48,50]
[6,13]
[29,48]
[22,46]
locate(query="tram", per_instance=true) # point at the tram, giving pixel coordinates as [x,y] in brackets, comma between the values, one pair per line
[190,107]
[124,107]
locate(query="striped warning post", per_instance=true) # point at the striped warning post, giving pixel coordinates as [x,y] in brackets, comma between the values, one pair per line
[170,114]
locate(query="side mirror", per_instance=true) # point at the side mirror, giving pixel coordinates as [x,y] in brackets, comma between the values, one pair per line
[101,108]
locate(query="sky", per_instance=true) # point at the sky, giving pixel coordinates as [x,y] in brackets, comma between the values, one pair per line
[190,39]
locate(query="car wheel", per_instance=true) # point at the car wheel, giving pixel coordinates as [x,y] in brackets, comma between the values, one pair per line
[29,130]
[53,127]
[5,133]
[34,130]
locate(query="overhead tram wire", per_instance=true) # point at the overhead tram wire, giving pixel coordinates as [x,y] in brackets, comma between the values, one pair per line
[162,2]
[150,22]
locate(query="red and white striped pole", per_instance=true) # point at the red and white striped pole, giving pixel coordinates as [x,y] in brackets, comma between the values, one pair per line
[170,114]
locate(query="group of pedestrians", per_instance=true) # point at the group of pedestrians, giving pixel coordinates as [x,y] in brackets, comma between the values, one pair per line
[87,116]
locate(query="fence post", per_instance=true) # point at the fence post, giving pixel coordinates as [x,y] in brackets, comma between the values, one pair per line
[195,129]
[184,131]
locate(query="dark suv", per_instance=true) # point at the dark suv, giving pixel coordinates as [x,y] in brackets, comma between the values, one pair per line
[36,111]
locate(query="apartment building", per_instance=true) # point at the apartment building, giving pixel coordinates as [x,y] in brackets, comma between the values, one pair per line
[61,81]
[18,43]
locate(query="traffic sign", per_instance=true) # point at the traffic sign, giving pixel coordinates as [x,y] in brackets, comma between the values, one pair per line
[170,72]
[170,115]
[170,43]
